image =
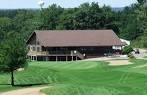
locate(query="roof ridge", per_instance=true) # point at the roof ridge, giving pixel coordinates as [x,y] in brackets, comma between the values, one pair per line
[73,30]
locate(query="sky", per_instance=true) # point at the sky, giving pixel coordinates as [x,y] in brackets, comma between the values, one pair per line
[15,4]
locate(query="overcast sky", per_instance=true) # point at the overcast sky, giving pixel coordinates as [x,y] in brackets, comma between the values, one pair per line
[13,4]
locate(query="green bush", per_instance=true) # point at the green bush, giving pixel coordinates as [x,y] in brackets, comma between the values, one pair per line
[127,50]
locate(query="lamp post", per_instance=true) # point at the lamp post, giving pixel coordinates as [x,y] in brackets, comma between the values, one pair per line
[75,52]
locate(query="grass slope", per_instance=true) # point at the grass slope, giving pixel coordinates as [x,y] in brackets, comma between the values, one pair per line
[83,78]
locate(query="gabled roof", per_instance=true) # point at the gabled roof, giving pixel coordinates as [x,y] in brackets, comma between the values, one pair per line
[69,38]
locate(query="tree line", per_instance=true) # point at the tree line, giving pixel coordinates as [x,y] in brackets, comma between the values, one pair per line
[129,23]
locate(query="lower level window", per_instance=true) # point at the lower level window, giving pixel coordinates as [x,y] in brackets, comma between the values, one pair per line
[38,49]
[34,49]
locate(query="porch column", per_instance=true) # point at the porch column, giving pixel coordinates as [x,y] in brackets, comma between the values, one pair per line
[76,58]
[121,50]
[56,58]
[36,58]
[33,58]
[30,58]
[72,58]
[66,58]
[46,58]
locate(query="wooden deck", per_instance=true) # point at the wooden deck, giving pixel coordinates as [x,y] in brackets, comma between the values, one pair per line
[33,55]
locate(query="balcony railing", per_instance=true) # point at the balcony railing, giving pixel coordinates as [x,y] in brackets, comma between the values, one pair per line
[59,52]
[37,53]
[56,53]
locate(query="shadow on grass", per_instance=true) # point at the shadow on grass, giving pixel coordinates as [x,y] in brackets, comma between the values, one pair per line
[28,85]
[5,84]
[25,85]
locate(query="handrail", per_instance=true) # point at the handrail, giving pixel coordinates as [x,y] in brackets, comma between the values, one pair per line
[71,53]
[37,53]
[77,53]
[80,55]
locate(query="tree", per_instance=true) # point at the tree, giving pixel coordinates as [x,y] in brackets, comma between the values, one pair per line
[88,16]
[25,22]
[127,50]
[12,54]
[5,26]
[66,20]
[141,1]
[50,17]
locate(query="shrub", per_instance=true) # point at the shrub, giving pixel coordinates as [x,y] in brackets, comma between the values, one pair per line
[127,50]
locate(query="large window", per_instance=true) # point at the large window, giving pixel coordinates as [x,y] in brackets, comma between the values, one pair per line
[34,49]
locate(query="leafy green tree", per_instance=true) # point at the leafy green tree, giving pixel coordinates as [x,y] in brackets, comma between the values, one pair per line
[9,13]
[5,26]
[50,17]
[25,22]
[66,20]
[12,54]
[108,20]
[141,1]
[88,16]
[127,50]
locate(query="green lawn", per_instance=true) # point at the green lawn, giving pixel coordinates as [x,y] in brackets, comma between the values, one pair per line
[83,78]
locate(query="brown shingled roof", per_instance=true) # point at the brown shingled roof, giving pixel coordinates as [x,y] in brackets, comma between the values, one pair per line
[66,38]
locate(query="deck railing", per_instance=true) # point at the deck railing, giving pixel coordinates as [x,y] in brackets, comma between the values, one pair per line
[38,53]
[78,54]
[57,53]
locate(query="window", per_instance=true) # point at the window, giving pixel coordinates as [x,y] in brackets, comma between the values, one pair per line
[34,49]
[38,49]
[28,47]
[37,42]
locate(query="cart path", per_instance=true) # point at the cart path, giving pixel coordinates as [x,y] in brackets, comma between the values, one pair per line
[26,91]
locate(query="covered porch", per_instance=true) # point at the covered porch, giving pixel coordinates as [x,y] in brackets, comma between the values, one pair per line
[70,53]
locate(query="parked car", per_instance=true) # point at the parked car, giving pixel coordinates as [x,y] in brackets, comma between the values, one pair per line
[137,51]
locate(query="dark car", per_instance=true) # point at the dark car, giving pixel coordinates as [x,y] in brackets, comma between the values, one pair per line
[137,51]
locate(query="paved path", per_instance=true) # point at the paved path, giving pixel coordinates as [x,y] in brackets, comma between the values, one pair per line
[26,91]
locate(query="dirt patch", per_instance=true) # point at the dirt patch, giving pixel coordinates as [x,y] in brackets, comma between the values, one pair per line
[113,61]
[119,62]
[26,91]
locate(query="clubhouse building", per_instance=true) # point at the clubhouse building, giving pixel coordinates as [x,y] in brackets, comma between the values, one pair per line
[68,45]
